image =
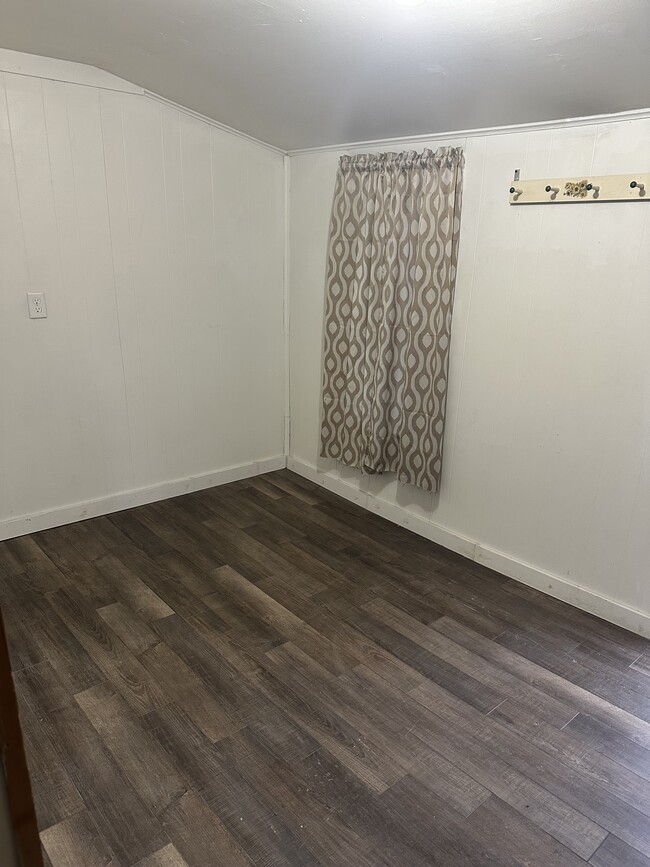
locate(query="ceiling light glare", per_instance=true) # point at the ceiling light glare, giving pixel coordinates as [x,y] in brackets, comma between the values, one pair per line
[409,2]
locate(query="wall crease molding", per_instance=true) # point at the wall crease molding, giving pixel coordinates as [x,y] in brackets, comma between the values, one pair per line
[71,72]
[286,310]
[85,75]
[506,564]
[439,137]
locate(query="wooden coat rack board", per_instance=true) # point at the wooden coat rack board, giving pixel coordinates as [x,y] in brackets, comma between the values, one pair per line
[602,188]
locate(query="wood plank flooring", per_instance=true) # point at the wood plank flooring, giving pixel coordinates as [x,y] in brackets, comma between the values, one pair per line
[264,674]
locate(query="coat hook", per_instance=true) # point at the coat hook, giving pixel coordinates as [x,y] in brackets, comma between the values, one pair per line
[552,190]
[515,192]
[636,185]
[595,188]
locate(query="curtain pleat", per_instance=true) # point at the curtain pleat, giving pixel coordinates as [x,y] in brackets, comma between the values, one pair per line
[391,271]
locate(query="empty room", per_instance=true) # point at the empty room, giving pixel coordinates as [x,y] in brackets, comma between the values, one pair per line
[324,433]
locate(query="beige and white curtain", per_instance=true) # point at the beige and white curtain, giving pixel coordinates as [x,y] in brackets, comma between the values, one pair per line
[390,288]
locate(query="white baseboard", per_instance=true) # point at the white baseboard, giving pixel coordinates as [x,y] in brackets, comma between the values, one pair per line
[68,514]
[553,585]
[435,532]
[575,594]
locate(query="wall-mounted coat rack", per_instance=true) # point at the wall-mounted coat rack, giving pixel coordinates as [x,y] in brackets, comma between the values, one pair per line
[604,188]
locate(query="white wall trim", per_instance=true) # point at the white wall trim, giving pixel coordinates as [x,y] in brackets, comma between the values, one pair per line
[211,122]
[53,69]
[25,524]
[435,532]
[286,312]
[553,585]
[560,588]
[85,75]
[68,71]
[596,119]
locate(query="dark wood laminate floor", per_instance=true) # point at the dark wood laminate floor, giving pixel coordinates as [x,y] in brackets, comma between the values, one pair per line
[264,674]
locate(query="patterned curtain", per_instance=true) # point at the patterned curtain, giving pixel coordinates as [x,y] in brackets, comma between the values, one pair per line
[390,288]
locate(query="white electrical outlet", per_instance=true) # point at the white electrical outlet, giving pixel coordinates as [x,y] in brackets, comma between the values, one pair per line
[37,308]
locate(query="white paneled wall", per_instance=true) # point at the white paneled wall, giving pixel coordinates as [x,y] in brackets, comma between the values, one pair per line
[547,460]
[158,240]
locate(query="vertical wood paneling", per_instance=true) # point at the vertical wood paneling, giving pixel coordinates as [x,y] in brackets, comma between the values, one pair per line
[523,286]
[251,308]
[162,426]
[547,453]
[621,503]
[38,222]
[13,267]
[158,242]
[181,348]
[551,384]
[99,277]
[235,296]
[475,155]
[124,276]
[74,351]
[480,408]
[196,167]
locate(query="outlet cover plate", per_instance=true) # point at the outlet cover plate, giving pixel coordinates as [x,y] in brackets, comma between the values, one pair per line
[37,308]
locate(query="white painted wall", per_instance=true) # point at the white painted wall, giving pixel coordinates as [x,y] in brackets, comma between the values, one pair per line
[158,240]
[547,460]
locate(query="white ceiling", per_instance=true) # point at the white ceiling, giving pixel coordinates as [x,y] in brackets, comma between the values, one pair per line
[300,74]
